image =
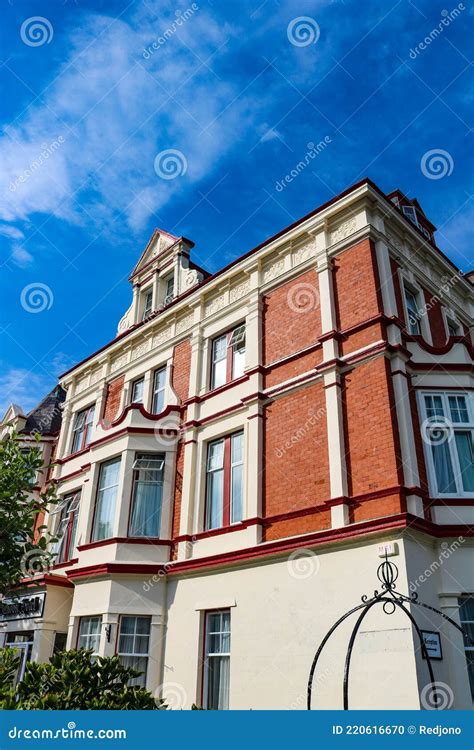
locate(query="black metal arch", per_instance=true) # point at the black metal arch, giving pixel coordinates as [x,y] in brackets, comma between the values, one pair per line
[387,573]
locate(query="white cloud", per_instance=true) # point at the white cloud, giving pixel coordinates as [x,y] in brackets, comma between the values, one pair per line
[22,387]
[109,112]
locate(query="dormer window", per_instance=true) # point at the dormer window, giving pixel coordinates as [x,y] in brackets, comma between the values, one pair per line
[148,304]
[410,213]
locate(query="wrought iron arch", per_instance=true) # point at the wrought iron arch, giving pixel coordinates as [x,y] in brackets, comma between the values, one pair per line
[391,600]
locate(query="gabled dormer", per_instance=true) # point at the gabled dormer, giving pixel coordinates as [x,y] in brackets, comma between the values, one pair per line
[412,210]
[164,272]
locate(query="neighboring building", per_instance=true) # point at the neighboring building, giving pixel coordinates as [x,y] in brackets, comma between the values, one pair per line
[233,461]
[25,620]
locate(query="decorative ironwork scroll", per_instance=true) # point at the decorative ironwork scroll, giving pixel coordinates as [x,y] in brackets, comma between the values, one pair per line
[391,600]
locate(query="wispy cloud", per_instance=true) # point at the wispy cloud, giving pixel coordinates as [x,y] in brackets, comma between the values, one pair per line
[111,111]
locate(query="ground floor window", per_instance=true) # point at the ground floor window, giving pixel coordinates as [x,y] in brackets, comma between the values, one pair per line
[217,660]
[22,642]
[134,645]
[466,616]
[89,633]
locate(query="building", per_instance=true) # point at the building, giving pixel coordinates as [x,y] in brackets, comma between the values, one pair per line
[24,619]
[236,460]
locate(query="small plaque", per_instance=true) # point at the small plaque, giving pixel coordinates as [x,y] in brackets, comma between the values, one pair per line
[432,641]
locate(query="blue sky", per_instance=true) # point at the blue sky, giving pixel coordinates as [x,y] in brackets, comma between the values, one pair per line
[239,89]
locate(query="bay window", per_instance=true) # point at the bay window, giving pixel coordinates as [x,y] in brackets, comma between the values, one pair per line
[159,391]
[66,527]
[228,356]
[106,499]
[134,646]
[224,485]
[89,633]
[449,438]
[217,660]
[82,429]
[145,517]
[137,391]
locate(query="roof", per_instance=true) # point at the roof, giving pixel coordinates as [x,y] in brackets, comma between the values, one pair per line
[46,417]
[365,181]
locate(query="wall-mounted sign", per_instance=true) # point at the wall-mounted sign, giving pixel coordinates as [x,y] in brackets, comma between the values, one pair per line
[432,643]
[22,607]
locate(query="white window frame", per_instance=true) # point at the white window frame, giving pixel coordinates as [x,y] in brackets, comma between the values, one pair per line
[89,635]
[409,213]
[132,390]
[155,390]
[140,681]
[413,287]
[147,310]
[468,648]
[169,295]
[212,655]
[460,426]
[451,319]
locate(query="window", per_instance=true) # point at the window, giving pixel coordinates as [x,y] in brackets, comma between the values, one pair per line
[60,641]
[133,646]
[66,526]
[82,429]
[453,328]
[449,438]
[89,633]
[224,486]
[169,289]
[217,660]
[410,213]
[466,617]
[106,497]
[414,326]
[228,356]
[147,304]
[147,493]
[137,391]
[159,390]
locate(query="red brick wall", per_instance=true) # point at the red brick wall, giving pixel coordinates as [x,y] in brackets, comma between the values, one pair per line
[180,383]
[112,399]
[291,317]
[181,369]
[356,293]
[371,440]
[296,470]
[435,319]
